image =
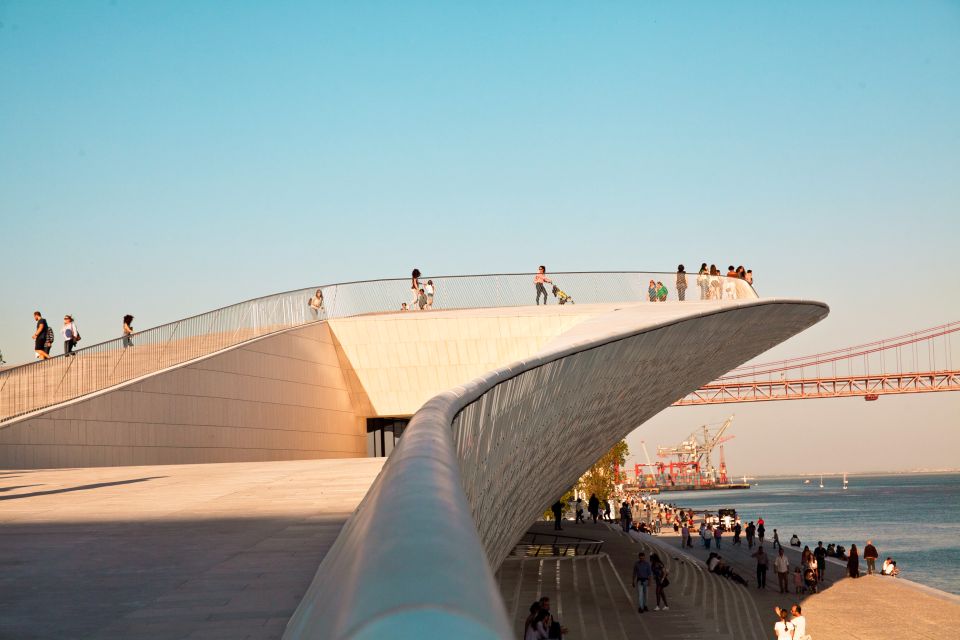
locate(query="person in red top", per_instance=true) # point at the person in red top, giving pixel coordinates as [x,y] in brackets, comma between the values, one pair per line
[870,554]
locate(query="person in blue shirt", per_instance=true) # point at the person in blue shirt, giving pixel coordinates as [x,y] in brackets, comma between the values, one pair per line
[642,571]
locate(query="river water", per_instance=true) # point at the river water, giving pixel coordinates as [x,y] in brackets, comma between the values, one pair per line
[914,518]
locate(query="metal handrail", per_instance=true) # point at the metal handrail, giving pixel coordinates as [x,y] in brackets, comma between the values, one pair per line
[531,546]
[39,385]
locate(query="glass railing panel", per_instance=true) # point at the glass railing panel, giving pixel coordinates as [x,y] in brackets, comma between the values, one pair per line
[38,385]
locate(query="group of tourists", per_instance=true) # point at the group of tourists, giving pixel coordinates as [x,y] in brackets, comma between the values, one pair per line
[421,295]
[713,284]
[44,335]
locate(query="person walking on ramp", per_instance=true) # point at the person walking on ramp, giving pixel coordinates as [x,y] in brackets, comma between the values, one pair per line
[641,576]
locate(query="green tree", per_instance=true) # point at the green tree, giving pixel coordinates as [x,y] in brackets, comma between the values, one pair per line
[599,479]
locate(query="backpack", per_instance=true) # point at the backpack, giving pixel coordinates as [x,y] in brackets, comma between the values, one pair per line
[48,341]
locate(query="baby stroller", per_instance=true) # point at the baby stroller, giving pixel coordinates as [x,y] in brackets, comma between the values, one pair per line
[561,296]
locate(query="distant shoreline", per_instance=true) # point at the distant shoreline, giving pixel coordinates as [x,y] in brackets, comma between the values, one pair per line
[856,474]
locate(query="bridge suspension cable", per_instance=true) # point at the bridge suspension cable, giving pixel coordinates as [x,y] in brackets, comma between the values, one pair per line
[915,370]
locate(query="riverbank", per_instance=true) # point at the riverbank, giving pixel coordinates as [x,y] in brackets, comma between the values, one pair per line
[866,608]
[915,519]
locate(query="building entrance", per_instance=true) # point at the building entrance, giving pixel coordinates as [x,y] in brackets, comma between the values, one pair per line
[383,434]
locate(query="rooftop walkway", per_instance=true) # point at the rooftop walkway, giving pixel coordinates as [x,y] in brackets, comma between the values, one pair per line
[186,551]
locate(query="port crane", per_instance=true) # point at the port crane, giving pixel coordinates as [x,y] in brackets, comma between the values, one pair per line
[690,463]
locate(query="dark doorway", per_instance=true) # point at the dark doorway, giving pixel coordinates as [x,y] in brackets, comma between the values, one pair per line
[383,434]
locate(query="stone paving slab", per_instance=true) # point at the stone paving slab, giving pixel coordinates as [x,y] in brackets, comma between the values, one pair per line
[180,551]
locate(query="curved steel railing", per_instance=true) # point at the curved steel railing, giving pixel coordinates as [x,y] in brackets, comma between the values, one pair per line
[540,545]
[38,385]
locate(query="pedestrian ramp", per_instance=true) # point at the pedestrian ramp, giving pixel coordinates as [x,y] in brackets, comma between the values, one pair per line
[587,595]
[592,595]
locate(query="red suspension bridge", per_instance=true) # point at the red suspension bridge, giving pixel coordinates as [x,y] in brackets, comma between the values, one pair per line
[918,362]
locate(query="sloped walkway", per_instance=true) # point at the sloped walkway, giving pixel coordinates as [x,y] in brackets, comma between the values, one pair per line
[592,596]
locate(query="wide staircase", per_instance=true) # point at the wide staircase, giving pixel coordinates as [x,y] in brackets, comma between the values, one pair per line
[592,596]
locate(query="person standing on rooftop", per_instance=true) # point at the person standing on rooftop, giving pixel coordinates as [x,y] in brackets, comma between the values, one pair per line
[316,304]
[748,276]
[870,554]
[652,291]
[715,282]
[661,291]
[127,331]
[538,281]
[681,283]
[414,288]
[70,335]
[703,281]
[40,336]
[430,289]
[730,284]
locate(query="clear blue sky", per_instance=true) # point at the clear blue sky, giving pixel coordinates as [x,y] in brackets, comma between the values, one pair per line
[167,158]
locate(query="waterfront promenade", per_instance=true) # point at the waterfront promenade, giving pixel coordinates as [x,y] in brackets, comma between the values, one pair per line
[590,594]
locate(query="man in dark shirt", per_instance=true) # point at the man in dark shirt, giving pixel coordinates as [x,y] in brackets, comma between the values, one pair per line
[870,554]
[641,576]
[40,337]
[557,509]
[761,557]
[821,555]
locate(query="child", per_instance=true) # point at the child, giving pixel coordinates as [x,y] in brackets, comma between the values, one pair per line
[798,581]
[422,300]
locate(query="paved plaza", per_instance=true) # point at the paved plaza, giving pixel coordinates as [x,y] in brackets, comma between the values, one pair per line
[184,551]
